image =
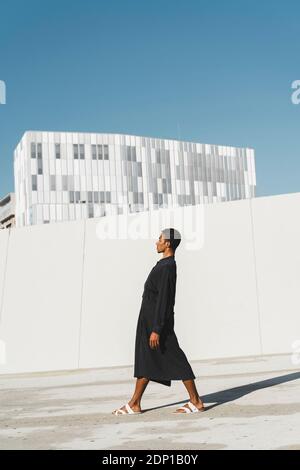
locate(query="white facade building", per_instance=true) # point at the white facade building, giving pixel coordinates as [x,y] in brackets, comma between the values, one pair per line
[63,176]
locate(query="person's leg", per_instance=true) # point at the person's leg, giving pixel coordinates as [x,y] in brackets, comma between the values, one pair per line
[135,401]
[193,393]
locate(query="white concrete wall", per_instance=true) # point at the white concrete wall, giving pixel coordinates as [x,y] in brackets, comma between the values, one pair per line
[4,237]
[70,300]
[276,225]
[40,319]
[217,307]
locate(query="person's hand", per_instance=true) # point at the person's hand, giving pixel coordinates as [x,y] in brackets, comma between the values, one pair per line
[154,340]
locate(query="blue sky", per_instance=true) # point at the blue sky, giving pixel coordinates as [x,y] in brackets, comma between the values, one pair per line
[212,71]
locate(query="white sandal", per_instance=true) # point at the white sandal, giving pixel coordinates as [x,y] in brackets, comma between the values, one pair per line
[191,408]
[123,412]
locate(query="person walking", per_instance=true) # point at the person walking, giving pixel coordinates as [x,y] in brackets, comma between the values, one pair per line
[158,356]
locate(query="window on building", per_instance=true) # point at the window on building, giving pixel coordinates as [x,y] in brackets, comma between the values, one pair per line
[34,182]
[75,151]
[133,154]
[71,196]
[164,186]
[40,166]
[94,152]
[64,182]
[128,153]
[105,152]
[36,151]
[77,196]
[91,210]
[100,152]
[33,150]
[52,183]
[57,150]
[81,151]
[39,150]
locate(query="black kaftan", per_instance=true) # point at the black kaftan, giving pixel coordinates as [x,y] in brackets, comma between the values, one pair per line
[167,362]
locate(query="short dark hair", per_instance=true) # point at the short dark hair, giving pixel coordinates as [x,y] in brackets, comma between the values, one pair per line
[173,236]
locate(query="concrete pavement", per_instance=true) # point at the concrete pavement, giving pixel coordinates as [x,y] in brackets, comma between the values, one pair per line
[253,403]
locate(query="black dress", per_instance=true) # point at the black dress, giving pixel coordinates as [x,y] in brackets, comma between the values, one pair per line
[167,362]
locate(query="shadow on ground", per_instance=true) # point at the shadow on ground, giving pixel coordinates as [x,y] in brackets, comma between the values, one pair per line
[232,394]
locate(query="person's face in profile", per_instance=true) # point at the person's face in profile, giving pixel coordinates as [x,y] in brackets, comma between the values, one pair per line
[161,244]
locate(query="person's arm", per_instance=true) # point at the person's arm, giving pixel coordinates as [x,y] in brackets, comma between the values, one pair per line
[165,291]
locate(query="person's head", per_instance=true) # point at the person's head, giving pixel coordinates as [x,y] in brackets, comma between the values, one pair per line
[168,241]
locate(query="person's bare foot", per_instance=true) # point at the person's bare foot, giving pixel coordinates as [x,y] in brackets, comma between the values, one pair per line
[135,407]
[198,404]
